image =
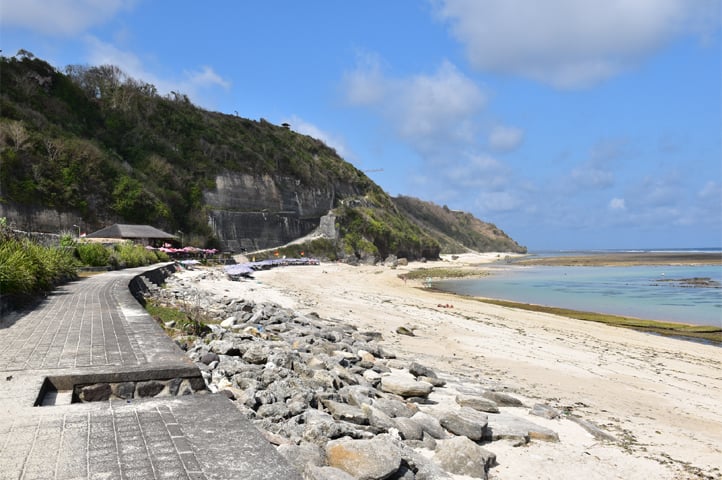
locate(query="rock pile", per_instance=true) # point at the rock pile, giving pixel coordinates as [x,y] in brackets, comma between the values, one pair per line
[338,405]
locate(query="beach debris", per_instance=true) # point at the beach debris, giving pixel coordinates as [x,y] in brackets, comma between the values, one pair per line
[401,330]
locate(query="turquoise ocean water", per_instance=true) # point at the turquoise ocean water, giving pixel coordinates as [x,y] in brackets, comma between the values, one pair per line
[633,291]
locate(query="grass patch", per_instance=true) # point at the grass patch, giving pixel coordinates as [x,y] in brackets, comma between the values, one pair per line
[188,322]
[710,334]
[441,272]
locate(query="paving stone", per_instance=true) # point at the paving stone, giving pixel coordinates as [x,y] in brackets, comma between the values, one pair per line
[95,329]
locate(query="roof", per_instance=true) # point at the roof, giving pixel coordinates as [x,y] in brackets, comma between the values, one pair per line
[129,231]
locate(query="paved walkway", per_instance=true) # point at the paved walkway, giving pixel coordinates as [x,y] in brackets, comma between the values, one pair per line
[94,332]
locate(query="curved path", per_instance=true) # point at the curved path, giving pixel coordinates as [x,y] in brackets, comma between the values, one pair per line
[93,332]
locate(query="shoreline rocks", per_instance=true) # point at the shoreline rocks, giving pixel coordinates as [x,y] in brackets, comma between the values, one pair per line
[339,404]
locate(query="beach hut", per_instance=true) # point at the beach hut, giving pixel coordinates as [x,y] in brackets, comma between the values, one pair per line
[141,234]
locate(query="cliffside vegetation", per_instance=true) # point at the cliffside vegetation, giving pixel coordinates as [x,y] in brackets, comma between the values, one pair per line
[456,231]
[94,141]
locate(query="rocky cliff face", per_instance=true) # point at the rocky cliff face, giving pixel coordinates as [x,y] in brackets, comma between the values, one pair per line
[262,211]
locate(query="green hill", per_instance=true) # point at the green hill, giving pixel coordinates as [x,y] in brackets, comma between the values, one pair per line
[93,146]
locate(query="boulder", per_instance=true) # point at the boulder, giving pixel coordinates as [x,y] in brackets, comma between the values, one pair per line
[98,392]
[544,411]
[466,422]
[377,418]
[409,429]
[224,347]
[229,322]
[347,413]
[429,424]
[418,370]
[325,473]
[373,459]
[210,357]
[395,408]
[302,455]
[461,456]
[503,399]
[477,403]
[405,386]
[256,354]
[506,426]
[150,388]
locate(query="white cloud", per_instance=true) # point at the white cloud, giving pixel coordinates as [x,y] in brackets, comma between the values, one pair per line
[495,202]
[570,43]
[60,17]
[591,176]
[617,204]
[502,138]
[478,171]
[306,128]
[206,77]
[366,84]
[425,110]
[711,191]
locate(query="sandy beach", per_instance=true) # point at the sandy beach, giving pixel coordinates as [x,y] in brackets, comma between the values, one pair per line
[660,397]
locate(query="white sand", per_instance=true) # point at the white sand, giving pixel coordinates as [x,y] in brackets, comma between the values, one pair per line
[661,397]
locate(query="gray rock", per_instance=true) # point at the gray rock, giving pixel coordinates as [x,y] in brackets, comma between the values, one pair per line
[229,322]
[319,427]
[377,418]
[224,347]
[256,354]
[395,408]
[98,392]
[503,399]
[126,390]
[545,411]
[419,370]
[405,386]
[429,424]
[276,410]
[466,422]
[506,426]
[302,455]
[594,430]
[477,403]
[436,382]
[461,456]
[409,429]
[150,388]
[378,458]
[345,412]
[325,473]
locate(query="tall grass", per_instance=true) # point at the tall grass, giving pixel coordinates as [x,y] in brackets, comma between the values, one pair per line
[129,255]
[27,268]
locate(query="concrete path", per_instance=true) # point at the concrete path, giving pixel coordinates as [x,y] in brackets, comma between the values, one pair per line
[94,333]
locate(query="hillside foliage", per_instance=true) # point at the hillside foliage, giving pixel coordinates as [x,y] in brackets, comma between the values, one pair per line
[95,141]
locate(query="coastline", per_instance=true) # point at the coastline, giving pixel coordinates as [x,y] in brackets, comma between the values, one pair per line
[658,395]
[625,259]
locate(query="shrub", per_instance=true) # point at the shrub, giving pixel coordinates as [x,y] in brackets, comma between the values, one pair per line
[129,255]
[93,254]
[27,268]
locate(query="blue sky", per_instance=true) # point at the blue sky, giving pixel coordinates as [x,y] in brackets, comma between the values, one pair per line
[567,123]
